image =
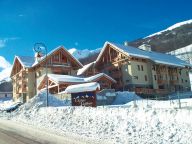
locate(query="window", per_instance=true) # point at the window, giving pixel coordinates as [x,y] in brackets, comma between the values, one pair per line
[138,67]
[185,80]
[186,73]
[142,67]
[127,81]
[136,77]
[145,77]
[155,77]
[182,80]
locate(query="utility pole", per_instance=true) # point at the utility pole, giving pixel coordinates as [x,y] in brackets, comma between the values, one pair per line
[40,47]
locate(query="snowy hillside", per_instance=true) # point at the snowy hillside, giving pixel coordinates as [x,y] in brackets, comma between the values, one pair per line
[79,54]
[5,69]
[172,27]
[174,37]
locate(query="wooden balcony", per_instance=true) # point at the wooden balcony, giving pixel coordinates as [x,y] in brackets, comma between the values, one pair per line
[161,91]
[161,81]
[174,82]
[144,91]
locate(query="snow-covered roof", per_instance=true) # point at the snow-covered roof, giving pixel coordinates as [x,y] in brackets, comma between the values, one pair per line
[74,79]
[97,76]
[54,50]
[65,78]
[85,68]
[156,57]
[93,86]
[26,61]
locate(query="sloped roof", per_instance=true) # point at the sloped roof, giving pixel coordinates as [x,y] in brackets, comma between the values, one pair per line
[74,79]
[29,61]
[56,49]
[156,57]
[97,76]
[93,86]
[26,61]
[85,68]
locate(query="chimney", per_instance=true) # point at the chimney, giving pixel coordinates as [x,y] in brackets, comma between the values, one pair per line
[126,43]
[38,57]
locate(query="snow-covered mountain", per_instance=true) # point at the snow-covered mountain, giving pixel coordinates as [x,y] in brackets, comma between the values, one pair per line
[5,69]
[177,25]
[174,37]
[81,54]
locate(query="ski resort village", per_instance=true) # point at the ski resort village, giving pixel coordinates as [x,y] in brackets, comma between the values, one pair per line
[118,91]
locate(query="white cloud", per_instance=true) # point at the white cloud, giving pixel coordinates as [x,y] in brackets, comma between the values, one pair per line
[76,43]
[4,41]
[21,15]
[6,68]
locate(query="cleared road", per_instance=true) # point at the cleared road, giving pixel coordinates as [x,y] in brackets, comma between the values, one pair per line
[15,133]
[7,137]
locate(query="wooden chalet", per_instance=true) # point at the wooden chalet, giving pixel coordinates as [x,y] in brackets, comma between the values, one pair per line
[142,71]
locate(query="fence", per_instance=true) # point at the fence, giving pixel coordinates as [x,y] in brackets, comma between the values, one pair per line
[175,100]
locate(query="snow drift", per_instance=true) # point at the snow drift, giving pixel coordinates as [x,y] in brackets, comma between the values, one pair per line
[149,122]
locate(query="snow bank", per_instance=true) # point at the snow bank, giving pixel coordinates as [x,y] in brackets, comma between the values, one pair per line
[39,101]
[150,122]
[121,125]
[125,97]
[5,103]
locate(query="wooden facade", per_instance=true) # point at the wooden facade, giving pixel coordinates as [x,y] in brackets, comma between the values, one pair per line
[26,78]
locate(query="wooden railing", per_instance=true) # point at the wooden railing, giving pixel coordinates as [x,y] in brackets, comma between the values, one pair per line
[173,82]
[150,91]
[161,81]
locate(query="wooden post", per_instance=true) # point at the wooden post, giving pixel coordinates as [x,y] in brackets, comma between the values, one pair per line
[58,88]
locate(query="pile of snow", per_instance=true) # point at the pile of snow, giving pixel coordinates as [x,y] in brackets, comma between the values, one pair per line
[150,122]
[40,100]
[5,69]
[79,54]
[119,125]
[6,103]
[172,27]
[125,97]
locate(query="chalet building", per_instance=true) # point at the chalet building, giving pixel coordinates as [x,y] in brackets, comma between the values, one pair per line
[140,70]
[28,74]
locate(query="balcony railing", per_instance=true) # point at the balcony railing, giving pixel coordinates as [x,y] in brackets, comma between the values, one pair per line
[173,82]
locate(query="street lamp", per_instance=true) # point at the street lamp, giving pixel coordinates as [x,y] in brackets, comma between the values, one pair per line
[40,47]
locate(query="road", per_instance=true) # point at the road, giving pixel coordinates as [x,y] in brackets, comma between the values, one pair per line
[15,133]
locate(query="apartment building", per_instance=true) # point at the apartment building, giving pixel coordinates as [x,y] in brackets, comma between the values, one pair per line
[140,70]
[28,74]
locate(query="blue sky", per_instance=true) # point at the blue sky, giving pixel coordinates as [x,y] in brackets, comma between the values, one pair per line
[82,23]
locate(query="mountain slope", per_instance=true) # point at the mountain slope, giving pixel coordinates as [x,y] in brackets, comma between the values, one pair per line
[5,69]
[177,36]
[85,56]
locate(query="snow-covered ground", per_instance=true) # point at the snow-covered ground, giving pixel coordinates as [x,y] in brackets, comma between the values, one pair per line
[149,122]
